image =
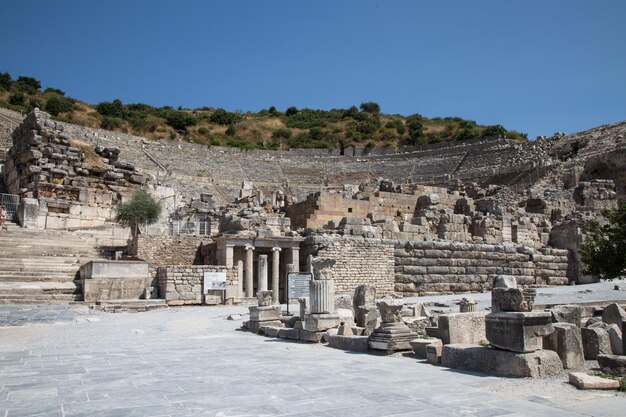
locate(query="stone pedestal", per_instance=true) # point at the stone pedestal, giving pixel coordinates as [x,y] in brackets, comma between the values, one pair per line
[321,322]
[518,331]
[261,316]
[392,335]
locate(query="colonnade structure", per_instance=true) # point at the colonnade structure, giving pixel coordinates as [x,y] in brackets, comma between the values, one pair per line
[255,258]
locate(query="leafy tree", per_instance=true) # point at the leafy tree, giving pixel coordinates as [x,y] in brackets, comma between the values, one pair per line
[604,249]
[114,108]
[223,117]
[142,208]
[351,112]
[370,107]
[231,131]
[291,111]
[110,123]
[281,133]
[54,90]
[5,80]
[28,84]
[416,129]
[179,120]
[272,110]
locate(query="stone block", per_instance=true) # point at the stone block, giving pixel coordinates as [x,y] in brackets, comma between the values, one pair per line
[433,353]
[464,328]
[567,342]
[114,269]
[321,322]
[567,314]
[270,331]
[419,346]
[615,338]
[364,294]
[614,314]
[502,362]
[255,326]
[582,380]
[265,313]
[350,343]
[308,336]
[616,364]
[96,289]
[595,342]
[417,324]
[391,337]
[518,331]
[368,317]
[287,333]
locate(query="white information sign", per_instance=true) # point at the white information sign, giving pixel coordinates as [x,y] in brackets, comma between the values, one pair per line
[214,281]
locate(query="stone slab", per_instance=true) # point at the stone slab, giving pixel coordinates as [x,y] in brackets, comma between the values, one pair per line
[102,268]
[502,362]
[255,326]
[351,343]
[289,334]
[582,380]
[270,331]
[433,353]
[462,328]
[265,313]
[100,289]
[595,342]
[321,322]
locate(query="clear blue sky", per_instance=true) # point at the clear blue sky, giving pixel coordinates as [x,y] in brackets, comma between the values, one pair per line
[537,66]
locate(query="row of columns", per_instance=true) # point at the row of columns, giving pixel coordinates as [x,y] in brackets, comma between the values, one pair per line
[262,275]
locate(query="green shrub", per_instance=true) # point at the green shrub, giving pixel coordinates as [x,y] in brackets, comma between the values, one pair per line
[291,111]
[54,90]
[110,123]
[179,120]
[495,130]
[17,99]
[203,131]
[114,108]
[281,133]
[224,118]
[27,84]
[307,118]
[5,80]
[231,131]
[58,104]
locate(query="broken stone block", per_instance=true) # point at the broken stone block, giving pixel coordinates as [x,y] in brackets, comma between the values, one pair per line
[234,317]
[512,299]
[368,317]
[567,342]
[502,362]
[265,313]
[466,328]
[582,380]
[433,353]
[345,316]
[419,346]
[614,314]
[270,331]
[566,314]
[321,322]
[255,326]
[344,301]
[286,333]
[364,295]
[615,338]
[595,342]
[615,364]
[518,331]
[308,336]
[417,324]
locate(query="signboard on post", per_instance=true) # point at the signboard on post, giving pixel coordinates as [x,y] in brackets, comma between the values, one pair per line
[298,286]
[214,281]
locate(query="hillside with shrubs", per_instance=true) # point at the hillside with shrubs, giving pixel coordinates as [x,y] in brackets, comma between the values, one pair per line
[293,127]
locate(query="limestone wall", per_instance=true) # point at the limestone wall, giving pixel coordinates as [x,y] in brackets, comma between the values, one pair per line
[161,250]
[183,285]
[450,267]
[359,261]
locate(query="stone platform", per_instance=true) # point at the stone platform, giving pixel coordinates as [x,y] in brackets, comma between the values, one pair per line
[502,362]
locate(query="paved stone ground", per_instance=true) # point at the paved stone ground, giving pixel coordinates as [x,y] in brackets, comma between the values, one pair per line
[194,362]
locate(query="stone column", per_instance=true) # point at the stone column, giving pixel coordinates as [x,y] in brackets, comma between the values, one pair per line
[295,258]
[248,271]
[275,274]
[262,273]
[240,277]
[229,256]
[322,287]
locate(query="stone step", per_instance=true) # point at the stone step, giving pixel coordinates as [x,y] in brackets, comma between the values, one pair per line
[41,299]
[27,278]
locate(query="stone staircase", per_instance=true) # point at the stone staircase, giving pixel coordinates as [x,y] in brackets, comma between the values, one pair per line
[40,266]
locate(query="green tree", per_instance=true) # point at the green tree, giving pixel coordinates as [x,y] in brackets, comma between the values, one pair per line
[495,130]
[370,107]
[604,249]
[291,111]
[113,108]
[179,120]
[5,80]
[224,118]
[17,99]
[28,84]
[58,104]
[142,208]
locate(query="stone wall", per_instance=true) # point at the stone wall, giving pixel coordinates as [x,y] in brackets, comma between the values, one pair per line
[430,267]
[161,250]
[183,285]
[359,261]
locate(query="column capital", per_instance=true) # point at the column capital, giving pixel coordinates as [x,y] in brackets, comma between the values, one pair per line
[250,247]
[277,249]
